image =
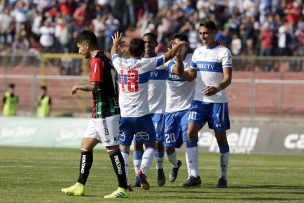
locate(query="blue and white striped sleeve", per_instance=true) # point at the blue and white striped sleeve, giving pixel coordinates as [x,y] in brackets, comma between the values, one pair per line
[160,60]
[193,64]
[227,59]
[115,56]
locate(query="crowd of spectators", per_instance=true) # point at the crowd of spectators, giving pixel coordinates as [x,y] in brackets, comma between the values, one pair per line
[248,27]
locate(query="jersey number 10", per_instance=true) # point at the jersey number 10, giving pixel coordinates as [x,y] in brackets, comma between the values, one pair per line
[132,80]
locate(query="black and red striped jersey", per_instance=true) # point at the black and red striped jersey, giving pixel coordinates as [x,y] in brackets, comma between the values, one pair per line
[105,97]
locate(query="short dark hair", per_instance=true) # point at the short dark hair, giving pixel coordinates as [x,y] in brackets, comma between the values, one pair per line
[89,37]
[210,25]
[151,35]
[181,37]
[137,47]
[11,85]
[43,87]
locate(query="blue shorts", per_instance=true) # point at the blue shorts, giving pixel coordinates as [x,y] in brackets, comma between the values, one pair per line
[140,127]
[176,125]
[158,120]
[216,114]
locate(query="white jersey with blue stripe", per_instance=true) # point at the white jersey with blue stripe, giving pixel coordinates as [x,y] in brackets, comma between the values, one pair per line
[209,63]
[133,78]
[157,90]
[179,91]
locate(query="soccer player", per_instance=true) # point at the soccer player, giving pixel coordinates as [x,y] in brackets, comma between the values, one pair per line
[133,77]
[157,102]
[180,93]
[213,64]
[104,125]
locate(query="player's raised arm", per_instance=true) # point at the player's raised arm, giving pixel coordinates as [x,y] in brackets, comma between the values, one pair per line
[173,51]
[116,38]
[178,68]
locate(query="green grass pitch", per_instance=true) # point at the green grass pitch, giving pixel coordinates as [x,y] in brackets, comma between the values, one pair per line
[37,174]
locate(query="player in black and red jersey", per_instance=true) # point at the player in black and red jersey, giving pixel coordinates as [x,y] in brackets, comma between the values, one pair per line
[103,126]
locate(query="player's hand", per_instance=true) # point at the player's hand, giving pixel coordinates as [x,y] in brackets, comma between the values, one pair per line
[211,90]
[74,89]
[116,38]
[182,50]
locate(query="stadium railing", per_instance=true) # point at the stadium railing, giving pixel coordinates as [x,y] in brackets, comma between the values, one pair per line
[270,86]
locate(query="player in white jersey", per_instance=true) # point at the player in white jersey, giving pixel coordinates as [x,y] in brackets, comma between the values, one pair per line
[133,77]
[180,95]
[157,103]
[213,64]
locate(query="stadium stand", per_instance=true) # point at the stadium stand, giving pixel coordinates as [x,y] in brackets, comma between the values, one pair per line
[248,27]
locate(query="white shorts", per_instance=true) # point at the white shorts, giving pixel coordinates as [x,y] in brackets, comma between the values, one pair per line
[106,130]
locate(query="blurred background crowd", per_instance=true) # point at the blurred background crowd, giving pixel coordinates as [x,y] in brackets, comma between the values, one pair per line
[248,27]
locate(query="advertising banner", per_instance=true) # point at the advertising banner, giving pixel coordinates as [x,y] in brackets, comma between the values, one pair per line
[246,138]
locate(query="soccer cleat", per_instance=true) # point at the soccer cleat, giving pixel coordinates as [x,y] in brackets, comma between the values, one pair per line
[136,183]
[143,180]
[75,190]
[192,182]
[174,171]
[222,183]
[161,179]
[119,193]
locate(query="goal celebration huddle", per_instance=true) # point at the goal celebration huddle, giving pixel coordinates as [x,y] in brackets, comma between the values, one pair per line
[157,102]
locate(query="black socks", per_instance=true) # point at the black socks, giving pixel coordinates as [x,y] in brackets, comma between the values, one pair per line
[119,168]
[86,161]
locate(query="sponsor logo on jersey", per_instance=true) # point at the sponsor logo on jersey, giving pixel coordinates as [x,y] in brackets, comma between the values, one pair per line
[242,142]
[142,136]
[206,66]
[294,141]
[174,77]
[129,106]
[153,74]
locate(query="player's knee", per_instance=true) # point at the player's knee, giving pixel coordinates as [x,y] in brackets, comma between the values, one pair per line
[138,146]
[191,143]
[159,154]
[83,149]
[169,150]
[159,146]
[192,134]
[221,138]
[150,145]
[124,148]
[112,149]
[224,148]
